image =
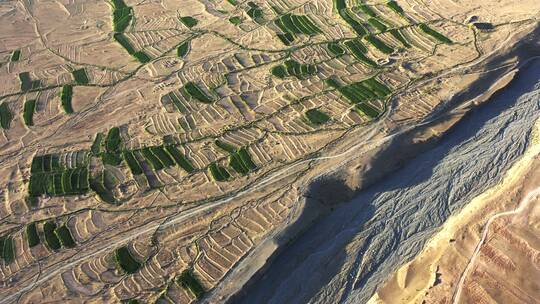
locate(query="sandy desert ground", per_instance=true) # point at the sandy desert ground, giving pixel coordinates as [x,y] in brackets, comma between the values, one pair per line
[159,151]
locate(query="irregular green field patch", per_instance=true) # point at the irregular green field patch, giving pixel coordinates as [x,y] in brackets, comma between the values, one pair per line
[8,249]
[65,237]
[122,15]
[399,36]
[225,146]
[96,146]
[66,96]
[124,42]
[98,186]
[367,110]
[395,7]
[80,76]
[132,162]
[219,173]
[359,52]
[183,49]
[377,24]
[142,57]
[189,21]
[15,55]
[27,83]
[179,158]
[236,20]
[5,116]
[163,156]
[293,68]
[188,281]
[32,236]
[113,140]
[433,33]
[193,91]
[126,261]
[335,49]
[255,12]
[28,112]
[317,117]
[152,159]
[379,44]
[297,24]
[51,239]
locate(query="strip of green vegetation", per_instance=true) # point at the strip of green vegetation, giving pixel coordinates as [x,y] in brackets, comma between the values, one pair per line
[367,10]
[433,33]
[32,236]
[142,57]
[189,21]
[219,173]
[113,140]
[124,42]
[241,161]
[395,7]
[122,15]
[347,15]
[297,24]
[28,112]
[27,83]
[188,281]
[379,44]
[179,158]
[377,24]
[96,146]
[233,2]
[163,156]
[98,186]
[45,163]
[126,261]
[5,116]
[8,249]
[152,159]
[358,50]
[225,146]
[112,159]
[286,38]
[132,162]
[66,96]
[193,91]
[360,93]
[317,117]
[80,76]
[15,55]
[335,49]
[293,68]
[65,237]
[50,238]
[255,12]
[399,36]
[236,20]
[183,49]
[366,109]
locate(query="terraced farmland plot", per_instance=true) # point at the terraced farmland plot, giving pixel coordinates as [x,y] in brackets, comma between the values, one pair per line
[195,128]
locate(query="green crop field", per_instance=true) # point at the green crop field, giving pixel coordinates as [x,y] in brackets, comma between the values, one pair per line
[225,146]
[7,245]
[293,68]
[132,162]
[219,173]
[193,91]
[179,158]
[188,281]
[51,239]
[297,24]
[395,7]
[15,56]
[65,237]
[5,116]
[152,159]
[183,49]
[335,49]
[124,42]
[122,15]
[126,261]
[236,20]
[65,97]
[433,33]
[379,44]
[399,36]
[113,140]
[317,117]
[377,24]
[80,76]
[32,236]
[189,21]
[28,112]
